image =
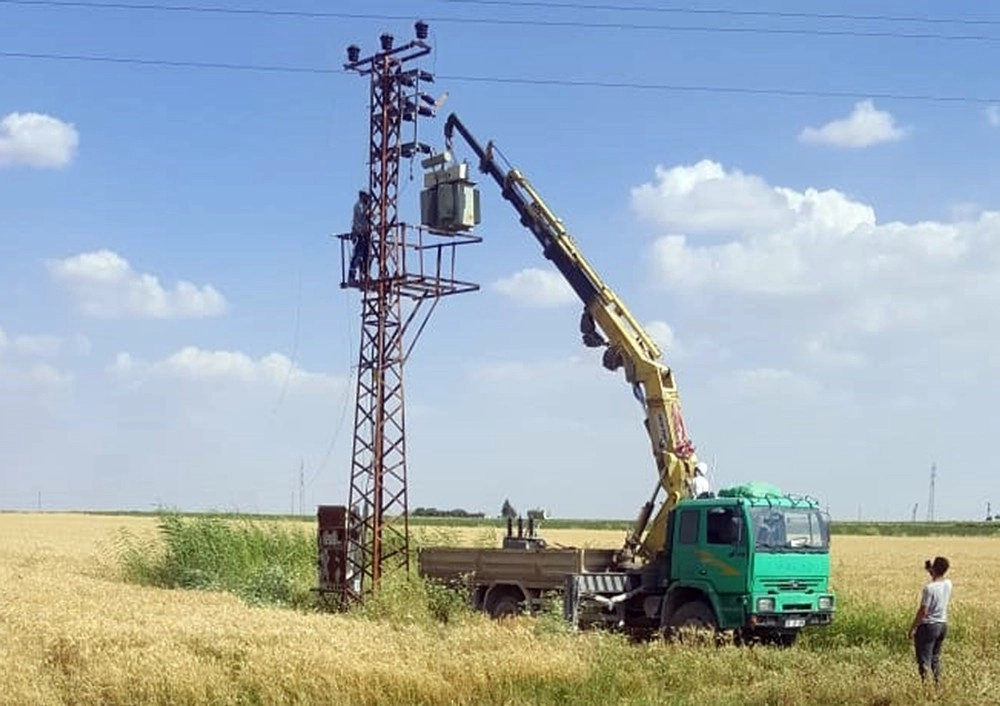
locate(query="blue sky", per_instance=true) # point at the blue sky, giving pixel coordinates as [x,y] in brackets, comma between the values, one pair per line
[832,302]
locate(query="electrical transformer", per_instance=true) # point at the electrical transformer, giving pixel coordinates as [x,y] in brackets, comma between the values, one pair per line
[450,201]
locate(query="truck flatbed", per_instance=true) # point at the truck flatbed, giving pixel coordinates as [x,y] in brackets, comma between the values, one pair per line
[506,580]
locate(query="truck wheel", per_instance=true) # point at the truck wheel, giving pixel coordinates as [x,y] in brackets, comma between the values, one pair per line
[692,622]
[504,605]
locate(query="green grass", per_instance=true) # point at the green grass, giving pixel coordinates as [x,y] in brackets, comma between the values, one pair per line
[261,562]
[264,562]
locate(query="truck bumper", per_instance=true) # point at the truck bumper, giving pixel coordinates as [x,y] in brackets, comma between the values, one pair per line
[789,621]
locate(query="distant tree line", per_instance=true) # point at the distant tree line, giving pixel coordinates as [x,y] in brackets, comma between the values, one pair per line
[434,512]
[507,511]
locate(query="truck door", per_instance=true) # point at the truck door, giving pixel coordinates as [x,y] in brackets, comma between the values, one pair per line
[723,559]
[710,549]
[687,540]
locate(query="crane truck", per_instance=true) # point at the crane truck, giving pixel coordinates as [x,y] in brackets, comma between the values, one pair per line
[750,559]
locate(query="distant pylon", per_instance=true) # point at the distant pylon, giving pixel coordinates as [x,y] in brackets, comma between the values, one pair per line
[930,500]
[302,486]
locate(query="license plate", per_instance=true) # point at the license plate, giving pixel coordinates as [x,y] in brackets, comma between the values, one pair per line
[795,622]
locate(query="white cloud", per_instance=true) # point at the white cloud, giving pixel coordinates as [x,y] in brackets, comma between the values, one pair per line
[20,367]
[43,345]
[39,345]
[105,286]
[198,428]
[537,288]
[705,197]
[665,338]
[36,140]
[757,270]
[829,251]
[993,115]
[864,127]
[49,375]
[19,377]
[581,367]
[505,372]
[762,382]
[199,365]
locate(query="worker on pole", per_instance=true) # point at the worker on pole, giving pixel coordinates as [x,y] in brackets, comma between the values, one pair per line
[360,237]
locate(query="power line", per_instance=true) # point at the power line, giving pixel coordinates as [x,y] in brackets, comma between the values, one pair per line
[167,62]
[576,24]
[571,83]
[727,12]
[794,92]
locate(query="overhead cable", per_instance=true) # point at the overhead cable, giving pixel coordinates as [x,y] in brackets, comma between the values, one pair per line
[729,12]
[495,21]
[524,80]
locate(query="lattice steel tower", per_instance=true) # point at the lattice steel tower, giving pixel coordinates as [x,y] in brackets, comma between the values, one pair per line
[407,266]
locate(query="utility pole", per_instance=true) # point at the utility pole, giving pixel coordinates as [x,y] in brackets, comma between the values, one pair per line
[302,486]
[913,517]
[930,500]
[406,268]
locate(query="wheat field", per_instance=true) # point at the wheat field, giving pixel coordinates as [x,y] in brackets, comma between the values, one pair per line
[73,632]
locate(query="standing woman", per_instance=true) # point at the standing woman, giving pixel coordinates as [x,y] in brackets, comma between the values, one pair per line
[930,624]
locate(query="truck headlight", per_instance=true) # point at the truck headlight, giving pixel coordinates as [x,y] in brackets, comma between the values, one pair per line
[825,603]
[765,605]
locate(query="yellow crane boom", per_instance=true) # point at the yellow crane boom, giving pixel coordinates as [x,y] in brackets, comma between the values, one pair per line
[628,346]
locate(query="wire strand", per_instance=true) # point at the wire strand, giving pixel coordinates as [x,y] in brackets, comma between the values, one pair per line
[727,12]
[173,63]
[569,83]
[576,24]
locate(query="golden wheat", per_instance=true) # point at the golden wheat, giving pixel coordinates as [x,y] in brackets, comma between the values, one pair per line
[71,633]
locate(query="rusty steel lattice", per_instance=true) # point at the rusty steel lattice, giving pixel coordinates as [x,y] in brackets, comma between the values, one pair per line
[408,267]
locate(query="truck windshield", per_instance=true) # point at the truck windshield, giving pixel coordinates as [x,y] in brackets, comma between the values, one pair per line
[783,529]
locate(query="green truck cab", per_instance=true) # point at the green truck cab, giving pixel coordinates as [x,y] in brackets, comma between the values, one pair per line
[750,560]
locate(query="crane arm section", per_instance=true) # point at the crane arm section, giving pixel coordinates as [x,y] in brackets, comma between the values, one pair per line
[627,344]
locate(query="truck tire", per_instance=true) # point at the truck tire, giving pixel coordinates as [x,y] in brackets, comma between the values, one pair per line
[504,604]
[691,621]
